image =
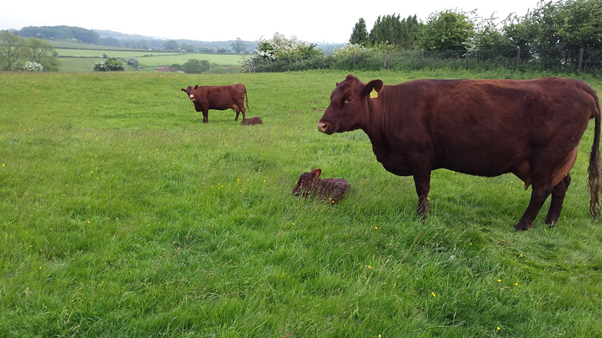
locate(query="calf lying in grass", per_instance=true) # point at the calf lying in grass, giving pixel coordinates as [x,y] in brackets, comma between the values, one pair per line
[332,189]
[251,121]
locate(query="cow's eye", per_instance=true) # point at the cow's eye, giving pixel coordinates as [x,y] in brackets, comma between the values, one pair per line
[349,99]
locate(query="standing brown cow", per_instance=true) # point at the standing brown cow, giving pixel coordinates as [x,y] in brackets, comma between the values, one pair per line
[479,127]
[218,97]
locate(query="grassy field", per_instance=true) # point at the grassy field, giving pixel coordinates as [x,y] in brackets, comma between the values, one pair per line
[124,215]
[83,60]
[81,57]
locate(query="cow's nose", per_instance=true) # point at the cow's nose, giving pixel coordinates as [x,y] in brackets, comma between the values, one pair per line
[322,126]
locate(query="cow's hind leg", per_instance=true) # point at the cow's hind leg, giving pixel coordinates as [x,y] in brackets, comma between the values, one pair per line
[237,110]
[422,182]
[242,109]
[557,198]
[539,194]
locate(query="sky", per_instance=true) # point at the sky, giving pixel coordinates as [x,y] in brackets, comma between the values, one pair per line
[313,21]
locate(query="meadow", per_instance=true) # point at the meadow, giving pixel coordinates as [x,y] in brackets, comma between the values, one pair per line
[123,215]
[82,60]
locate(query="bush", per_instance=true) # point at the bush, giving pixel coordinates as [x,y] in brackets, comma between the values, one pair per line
[194,66]
[112,64]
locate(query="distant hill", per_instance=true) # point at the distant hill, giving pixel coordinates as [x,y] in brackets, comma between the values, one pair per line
[60,33]
[117,39]
[122,36]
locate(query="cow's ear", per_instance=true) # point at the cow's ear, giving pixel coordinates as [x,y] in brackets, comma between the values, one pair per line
[182,89]
[373,88]
[195,87]
[316,173]
[338,83]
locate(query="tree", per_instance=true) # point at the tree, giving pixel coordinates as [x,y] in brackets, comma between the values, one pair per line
[359,35]
[171,45]
[559,29]
[238,46]
[194,66]
[61,33]
[391,30]
[43,53]
[109,41]
[447,30]
[12,49]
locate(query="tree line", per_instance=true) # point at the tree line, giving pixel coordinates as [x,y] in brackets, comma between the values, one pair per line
[32,54]
[554,30]
[561,35]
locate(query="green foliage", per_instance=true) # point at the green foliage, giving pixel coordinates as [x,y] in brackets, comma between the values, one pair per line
[447,30]
[12,51]
[195,66]
[110,65]
[279,52]
[125,216]
[238,46]
[16,52]
[61,33]
[359,36]
[171,45]
[391,30]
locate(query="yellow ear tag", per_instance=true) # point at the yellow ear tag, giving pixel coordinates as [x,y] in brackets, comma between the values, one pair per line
[373,94]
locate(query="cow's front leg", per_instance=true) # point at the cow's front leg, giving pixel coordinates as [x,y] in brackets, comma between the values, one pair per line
[422,181]
[205,116]
[237,113]
[539,194]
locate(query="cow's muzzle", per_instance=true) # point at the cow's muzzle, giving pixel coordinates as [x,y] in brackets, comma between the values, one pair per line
[324,127]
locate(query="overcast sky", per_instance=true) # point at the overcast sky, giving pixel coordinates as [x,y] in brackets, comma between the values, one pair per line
[308,20]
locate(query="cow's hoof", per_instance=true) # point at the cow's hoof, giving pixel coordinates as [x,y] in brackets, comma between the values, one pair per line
[522,226]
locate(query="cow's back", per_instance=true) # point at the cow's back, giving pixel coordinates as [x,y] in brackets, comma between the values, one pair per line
[221,97]
[486,127]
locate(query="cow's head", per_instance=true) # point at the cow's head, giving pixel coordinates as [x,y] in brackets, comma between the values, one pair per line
[349,105]
[190,92]
[306,183]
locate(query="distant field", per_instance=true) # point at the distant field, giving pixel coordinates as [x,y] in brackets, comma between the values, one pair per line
[77,57]
[74,60]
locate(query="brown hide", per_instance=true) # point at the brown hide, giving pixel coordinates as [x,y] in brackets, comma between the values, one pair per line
[479,127]
[251,121]
[219,98]
[331,189]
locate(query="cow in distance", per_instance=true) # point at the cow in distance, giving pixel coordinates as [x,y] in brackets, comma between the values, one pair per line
[530,128]
[219,98]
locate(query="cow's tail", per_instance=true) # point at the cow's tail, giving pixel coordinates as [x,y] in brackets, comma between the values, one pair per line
[246,96]
[595,168]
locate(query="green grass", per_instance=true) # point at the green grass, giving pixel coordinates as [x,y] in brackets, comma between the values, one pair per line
[124,215]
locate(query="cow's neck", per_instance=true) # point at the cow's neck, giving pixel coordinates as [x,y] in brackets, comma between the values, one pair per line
[377,126]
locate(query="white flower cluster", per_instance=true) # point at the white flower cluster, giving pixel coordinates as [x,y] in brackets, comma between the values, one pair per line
[33,66]
[278,45]
[266,54]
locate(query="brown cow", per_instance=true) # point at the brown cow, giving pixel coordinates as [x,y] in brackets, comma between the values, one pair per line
[251,121]
[218,97]
[332,189]
[479,127]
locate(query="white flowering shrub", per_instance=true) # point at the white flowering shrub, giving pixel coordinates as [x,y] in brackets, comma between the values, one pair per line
[33,66]
[112,64]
